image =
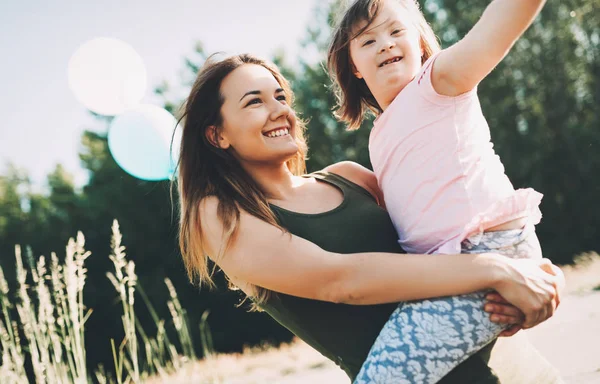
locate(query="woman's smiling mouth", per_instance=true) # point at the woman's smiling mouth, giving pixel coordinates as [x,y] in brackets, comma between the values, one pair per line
[278,132]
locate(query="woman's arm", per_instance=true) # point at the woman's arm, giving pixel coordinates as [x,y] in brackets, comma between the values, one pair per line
[264,256]
[500,310]
[461,67]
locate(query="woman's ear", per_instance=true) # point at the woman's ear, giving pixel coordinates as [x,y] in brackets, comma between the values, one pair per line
[355,71]
[214,136]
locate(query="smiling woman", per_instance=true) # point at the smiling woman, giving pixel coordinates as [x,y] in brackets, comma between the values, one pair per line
[316,252]
[260,113]
[226,123]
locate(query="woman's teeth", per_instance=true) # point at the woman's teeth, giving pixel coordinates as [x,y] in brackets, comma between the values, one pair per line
[278,132]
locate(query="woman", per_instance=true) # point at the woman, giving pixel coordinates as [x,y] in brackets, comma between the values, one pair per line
[334,277]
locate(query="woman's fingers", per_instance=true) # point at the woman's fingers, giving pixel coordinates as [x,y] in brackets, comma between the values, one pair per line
[505,314]
[504,310]
[541,312]
[550,287]
[505,319]
[531,320]
[496,298]
[560,282]
[546,265]
[535,315]
[534,286]
[510,331]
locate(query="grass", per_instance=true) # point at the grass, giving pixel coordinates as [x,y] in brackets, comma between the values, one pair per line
[50,317]
[43,326]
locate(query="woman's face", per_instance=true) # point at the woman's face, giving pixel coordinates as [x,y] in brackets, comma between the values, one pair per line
[258,123]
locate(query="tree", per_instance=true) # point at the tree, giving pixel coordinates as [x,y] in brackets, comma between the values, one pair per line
[14,188]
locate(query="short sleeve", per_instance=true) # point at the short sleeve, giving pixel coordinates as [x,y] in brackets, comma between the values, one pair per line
[425,86]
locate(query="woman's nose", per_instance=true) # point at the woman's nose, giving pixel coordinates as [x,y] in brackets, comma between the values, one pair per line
[279,109]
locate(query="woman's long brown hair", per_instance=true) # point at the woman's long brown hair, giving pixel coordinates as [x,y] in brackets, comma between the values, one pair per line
[206,170]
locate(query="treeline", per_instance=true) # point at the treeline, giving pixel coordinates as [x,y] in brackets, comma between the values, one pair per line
[542,104]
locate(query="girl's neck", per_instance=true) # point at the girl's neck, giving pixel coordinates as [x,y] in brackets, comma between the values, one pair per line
[385,103]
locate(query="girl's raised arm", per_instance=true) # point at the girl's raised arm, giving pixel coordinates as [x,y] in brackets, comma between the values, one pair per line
[461,67]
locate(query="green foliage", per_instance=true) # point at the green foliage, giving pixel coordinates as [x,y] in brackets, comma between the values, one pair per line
[541,103]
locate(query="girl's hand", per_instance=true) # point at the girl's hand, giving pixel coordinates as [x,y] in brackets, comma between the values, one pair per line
[502,312]
[533,286]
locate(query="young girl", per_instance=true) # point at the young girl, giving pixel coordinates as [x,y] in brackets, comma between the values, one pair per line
[430,148]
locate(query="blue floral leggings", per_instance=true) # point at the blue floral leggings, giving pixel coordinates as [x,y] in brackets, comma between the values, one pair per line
[424,340]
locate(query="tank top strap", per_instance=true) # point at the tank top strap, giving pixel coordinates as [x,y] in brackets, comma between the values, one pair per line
[341,182]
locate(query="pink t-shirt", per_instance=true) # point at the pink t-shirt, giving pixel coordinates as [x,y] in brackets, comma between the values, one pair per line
[441,179]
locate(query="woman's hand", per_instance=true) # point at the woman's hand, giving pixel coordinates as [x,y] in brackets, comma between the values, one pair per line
[502,312]
[533,286]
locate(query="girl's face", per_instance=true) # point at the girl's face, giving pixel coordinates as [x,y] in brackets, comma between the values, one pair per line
[388,54]
[258,123]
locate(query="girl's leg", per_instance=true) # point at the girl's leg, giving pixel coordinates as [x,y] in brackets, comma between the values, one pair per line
[424,340]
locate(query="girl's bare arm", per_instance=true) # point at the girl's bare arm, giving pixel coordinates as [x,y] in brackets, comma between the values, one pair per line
[461,67]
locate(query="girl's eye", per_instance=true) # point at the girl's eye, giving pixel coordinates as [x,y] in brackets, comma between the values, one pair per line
[396,31]
[368,42]
[282,98]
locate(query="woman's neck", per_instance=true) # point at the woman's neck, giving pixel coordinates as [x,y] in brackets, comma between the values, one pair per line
[277,182]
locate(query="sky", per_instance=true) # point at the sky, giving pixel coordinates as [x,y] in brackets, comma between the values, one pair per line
[42,122]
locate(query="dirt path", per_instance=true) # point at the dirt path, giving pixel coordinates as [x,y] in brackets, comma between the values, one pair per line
[570,341]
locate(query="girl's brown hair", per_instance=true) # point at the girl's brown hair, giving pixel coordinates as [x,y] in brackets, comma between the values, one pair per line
[206,170]
[353,96]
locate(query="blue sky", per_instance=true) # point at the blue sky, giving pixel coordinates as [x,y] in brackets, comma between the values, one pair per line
[42,121]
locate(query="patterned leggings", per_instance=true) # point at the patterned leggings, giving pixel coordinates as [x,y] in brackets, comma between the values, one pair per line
[424,340]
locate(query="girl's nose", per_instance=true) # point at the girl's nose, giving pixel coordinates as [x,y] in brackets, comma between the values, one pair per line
[386,46]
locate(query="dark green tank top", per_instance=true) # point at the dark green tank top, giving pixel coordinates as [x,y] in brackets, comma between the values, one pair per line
[345,333]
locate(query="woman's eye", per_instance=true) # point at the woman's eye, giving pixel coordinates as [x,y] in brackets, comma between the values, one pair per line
[282,98]
[396,31]
[253,101]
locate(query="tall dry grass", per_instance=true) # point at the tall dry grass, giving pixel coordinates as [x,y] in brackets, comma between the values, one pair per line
[584,274]
[50,316]
[43,325]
